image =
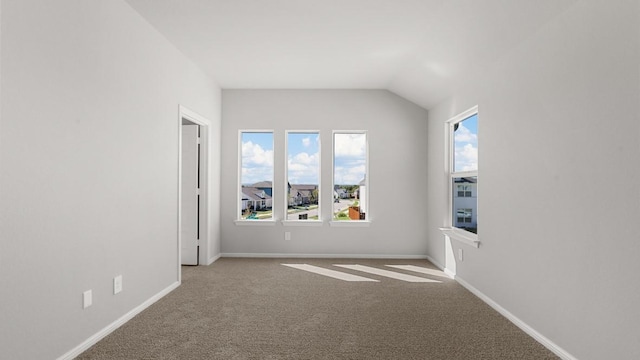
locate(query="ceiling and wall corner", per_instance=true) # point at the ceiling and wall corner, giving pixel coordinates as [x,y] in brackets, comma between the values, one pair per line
[421,50]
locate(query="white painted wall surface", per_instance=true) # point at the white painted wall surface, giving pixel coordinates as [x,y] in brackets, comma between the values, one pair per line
[559,145]
[88,168]
[397,146]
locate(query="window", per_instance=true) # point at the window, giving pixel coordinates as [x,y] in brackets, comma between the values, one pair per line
[463,216]
[463,132]
[350,166]
[303,175]
[464,191]
[256,175]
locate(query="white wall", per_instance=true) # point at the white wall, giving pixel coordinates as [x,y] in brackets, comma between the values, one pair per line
[88,168]
[558,192]
[397,146]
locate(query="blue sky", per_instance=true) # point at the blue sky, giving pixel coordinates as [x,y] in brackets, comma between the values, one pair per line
[466,145]
[303,158]
[257,157]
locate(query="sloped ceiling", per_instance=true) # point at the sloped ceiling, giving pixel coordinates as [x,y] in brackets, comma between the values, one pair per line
[419,49]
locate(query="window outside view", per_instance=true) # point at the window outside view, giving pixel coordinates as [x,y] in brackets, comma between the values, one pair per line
[303,175]
[465,174]
[256,179]
[349,176]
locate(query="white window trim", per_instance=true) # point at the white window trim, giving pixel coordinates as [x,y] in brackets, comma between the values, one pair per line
[269,222]
[350,223]
[367,178]
[462,236]
[286,221]
[238,220]
[449,230]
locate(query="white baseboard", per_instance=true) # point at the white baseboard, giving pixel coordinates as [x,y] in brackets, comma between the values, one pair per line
[71,354]
[323,256]
[213,259]
[448,272]
[434,262]
[563,354]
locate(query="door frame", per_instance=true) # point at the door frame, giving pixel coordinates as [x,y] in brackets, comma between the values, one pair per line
[186,115]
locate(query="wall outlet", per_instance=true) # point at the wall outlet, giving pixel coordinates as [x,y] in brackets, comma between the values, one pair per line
[287,235]
[460,255]
[117,284]
[87,299]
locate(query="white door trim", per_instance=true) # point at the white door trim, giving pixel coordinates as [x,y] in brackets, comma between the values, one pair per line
[205,177]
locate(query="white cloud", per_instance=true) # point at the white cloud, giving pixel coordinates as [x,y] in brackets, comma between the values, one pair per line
[254,154]
[349,175]
[463,135]
[306,142]
[303,168]
[350,145]
[466,158]
[256,174]
[257,163]
[466,149]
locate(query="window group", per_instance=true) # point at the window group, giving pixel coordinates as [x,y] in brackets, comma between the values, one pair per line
[302,188]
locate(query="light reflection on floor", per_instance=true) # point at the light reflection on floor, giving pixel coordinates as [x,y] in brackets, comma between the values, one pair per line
[372,270]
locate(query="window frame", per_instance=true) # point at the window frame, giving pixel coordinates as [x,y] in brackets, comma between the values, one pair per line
[464,191]
[467,214]
[302,222]
[239,220]
[367,210]
[449,229]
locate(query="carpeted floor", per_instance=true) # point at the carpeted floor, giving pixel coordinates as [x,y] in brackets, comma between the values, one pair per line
[259,309]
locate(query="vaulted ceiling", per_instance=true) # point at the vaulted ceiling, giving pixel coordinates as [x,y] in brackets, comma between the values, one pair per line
[420,49]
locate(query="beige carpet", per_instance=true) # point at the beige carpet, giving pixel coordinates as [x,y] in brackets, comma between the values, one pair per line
[259,309]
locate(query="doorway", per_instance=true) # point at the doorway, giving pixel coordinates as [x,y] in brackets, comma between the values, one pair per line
[190,192]
[193,198]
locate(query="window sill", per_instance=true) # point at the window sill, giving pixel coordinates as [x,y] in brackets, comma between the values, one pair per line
[352,223]
[462,236]
[302,222]
[255,222]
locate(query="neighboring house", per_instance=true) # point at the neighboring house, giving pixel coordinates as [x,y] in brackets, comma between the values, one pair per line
[340,193]
[303,194]
[267,186]
[245,202]
[465,203]
[255,199]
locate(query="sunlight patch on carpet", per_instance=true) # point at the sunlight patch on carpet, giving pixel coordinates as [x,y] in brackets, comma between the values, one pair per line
[387,273]
[422,270]
[330,273]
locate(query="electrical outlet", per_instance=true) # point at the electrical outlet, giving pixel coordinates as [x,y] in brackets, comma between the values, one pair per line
[460,255]
[287,235]
[117,284]
[87,299]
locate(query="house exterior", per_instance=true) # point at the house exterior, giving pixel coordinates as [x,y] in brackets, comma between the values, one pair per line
[255,199]
[340,193]
[266,186]
[465,203]
[303,194]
